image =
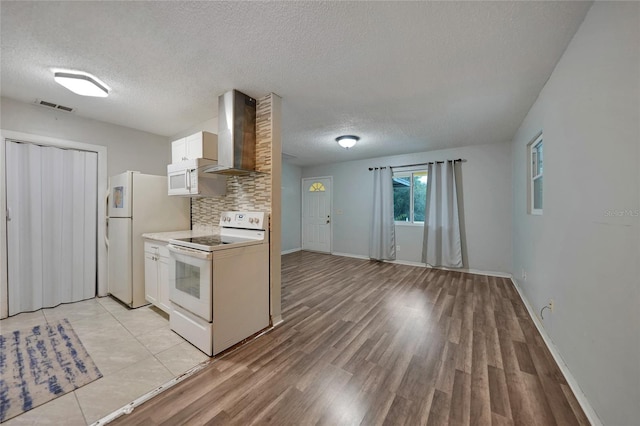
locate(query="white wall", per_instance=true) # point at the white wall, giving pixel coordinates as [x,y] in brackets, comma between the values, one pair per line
[127,149]
[210,125]
[486,194]
[291,206]
[576,252]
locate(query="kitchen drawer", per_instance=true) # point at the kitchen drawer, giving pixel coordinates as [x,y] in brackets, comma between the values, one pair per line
[194,329]
[154,248]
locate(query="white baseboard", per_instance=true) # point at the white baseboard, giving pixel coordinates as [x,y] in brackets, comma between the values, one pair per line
[571,381]
[355,256]
[407,262]
[276,321]
[422,265]
[466,270]
[290,251]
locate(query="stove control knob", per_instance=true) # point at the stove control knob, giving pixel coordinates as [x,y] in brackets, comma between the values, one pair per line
[250,220]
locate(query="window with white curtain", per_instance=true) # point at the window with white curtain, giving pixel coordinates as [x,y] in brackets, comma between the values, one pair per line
[536,168]
[409,196]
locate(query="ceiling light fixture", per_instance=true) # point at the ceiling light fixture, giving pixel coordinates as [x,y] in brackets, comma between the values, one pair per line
[347,141]
[81,83]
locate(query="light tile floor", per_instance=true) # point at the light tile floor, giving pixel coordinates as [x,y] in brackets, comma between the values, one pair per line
[134,349]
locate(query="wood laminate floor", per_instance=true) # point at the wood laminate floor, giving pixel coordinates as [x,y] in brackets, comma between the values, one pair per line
[378,343]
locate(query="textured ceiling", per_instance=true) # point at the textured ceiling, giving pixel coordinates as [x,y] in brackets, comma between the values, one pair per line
[405,77]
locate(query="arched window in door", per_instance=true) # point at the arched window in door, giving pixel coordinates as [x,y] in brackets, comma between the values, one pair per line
[316,187]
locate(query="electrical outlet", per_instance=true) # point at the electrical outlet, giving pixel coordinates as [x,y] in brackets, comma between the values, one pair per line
[524,274]
[398,248]
[551,304]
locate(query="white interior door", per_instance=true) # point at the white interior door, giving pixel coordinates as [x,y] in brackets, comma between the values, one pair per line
[51,225]
[316,214]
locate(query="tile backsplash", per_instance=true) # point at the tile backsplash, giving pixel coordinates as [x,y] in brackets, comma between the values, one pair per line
[250,192]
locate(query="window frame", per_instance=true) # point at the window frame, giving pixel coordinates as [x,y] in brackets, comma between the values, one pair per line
[410,174]
[531,177]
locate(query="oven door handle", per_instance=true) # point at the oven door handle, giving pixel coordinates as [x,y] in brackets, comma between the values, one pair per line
[189,252]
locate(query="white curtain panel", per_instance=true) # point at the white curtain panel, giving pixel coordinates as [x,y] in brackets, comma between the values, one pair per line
[441,243]
[382,239]
[52,234]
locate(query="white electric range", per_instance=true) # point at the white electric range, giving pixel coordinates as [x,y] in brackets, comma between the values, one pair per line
[219,284]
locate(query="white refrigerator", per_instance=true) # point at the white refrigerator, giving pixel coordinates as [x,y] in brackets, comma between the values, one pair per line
[138,203]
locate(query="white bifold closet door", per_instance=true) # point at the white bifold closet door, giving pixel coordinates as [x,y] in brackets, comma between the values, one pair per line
[52,226]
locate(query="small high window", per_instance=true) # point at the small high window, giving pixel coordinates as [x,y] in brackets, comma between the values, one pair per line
[536,169]
[409,196]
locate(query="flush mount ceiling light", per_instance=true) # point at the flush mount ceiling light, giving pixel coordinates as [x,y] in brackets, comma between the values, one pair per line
[347,141]
[81,83]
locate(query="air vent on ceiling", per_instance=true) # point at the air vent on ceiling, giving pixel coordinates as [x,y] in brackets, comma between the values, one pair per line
[52,105]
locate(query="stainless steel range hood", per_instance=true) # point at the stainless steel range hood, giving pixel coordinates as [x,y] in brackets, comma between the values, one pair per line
[236,134]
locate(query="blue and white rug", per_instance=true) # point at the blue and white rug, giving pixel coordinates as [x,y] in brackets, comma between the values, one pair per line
[39,364]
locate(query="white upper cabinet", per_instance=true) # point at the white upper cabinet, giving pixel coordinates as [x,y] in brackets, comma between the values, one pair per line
[179,150]
[198,145]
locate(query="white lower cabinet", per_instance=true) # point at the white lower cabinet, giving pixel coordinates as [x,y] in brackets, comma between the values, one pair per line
[163,283]
[156,274]
[150,277]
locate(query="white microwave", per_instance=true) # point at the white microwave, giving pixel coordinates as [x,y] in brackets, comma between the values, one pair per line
[187,179]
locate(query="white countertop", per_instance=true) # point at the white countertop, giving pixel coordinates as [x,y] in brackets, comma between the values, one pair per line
[166,236]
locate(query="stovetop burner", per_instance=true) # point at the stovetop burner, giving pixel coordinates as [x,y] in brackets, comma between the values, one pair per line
[214,242]
[208,240]
[236,229]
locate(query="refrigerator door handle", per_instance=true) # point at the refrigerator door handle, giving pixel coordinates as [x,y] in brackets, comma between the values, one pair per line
[106,227]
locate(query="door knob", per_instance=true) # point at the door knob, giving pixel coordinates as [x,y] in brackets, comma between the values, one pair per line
[328,221]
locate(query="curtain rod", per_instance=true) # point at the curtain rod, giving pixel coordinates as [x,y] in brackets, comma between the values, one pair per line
[460,160]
